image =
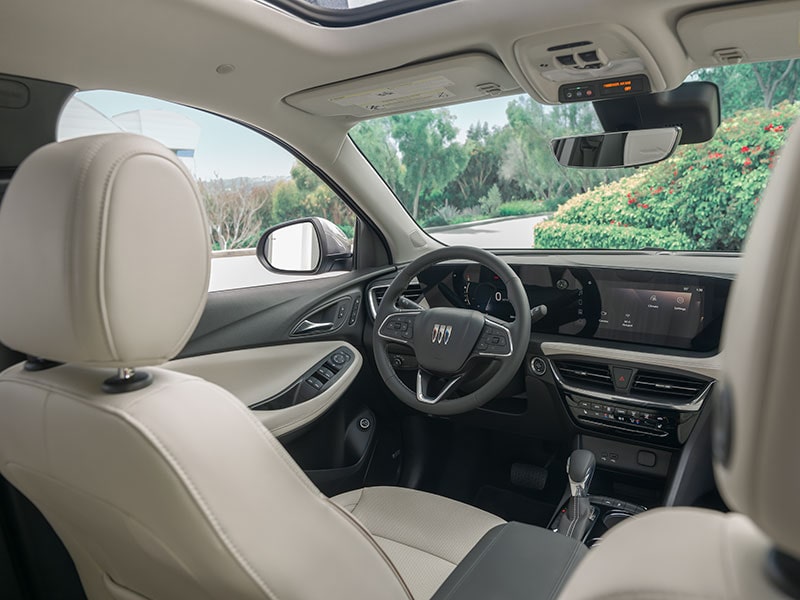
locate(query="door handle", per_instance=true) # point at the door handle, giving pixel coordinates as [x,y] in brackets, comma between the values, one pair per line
[307,326]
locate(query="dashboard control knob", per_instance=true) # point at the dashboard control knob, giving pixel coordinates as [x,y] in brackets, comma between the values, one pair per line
[364,424]
[538,366]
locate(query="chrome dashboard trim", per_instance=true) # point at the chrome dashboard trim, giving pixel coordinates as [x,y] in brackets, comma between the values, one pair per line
[708,366]
[692,406]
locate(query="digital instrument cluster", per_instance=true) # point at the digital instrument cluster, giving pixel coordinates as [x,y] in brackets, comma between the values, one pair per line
[669,310]
[482,290]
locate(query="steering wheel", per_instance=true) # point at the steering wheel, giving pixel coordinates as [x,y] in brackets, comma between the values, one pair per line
[449,341]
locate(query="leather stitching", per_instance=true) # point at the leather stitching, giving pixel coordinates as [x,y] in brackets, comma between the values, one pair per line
[417,548]
[183,477]
[272,442]
[360,527]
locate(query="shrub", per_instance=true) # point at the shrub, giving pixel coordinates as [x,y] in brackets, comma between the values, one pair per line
[447,212]
[491,201]
[552,234]
[702,198]
[526,207]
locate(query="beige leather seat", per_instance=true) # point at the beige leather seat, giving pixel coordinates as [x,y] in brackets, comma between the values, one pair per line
[690,553]
[173,490]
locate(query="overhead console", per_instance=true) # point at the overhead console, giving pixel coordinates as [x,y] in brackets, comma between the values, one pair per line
[590,62]
[604,89]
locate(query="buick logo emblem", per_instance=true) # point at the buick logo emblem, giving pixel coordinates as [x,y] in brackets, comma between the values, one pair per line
[441,333]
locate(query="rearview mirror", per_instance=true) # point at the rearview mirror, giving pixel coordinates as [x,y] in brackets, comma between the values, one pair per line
[309,246]
[617,149]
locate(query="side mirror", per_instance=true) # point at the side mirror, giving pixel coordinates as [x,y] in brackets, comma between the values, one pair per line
[617,149]
[305,246]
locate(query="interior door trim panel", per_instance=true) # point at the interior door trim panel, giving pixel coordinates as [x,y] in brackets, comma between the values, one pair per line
[250,317]
[257,374]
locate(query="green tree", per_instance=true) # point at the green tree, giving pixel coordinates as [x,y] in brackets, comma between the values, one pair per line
[431,155]
[775,82]
[374,139]
[485,150]
[306,195]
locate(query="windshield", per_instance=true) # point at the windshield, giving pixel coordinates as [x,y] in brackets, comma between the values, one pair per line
[482,174]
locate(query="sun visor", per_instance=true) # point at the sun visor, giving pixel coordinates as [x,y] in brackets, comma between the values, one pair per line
[750,32]
[693,106]
[437,83]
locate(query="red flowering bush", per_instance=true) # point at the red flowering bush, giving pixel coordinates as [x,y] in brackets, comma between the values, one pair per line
[703,198]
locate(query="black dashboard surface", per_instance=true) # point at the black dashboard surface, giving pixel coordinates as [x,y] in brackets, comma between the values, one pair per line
[680,311]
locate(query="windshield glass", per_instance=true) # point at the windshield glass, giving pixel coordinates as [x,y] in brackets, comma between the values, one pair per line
[482,174]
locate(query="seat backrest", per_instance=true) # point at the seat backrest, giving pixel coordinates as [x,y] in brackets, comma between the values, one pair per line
[172,490]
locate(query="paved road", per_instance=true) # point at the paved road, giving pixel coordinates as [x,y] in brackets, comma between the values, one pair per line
[508,233]
[245,271]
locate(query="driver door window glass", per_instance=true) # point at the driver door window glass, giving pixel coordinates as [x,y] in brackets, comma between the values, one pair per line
[248,182]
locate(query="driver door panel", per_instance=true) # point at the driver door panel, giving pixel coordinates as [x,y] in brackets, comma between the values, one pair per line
[249,343]
[260,376]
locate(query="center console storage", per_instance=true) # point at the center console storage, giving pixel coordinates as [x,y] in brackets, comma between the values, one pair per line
[514,562]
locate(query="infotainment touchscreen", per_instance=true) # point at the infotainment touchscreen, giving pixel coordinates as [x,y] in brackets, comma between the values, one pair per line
[670,310]
[627,312]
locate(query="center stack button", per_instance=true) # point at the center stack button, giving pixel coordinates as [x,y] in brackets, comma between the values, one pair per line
[622,378]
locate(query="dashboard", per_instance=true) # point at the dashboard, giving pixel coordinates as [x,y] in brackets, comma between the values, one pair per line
[670,310]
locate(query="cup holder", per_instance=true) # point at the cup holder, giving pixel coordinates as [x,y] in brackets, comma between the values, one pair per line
[615,517]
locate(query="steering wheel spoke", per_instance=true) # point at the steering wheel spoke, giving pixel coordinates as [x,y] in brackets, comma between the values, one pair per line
[424,380]
[399,326]
[445,338]
[495,341]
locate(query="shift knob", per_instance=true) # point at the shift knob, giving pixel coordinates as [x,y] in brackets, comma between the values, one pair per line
[580,468]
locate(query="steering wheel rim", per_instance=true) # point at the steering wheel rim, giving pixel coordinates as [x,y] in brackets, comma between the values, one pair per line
[388,313]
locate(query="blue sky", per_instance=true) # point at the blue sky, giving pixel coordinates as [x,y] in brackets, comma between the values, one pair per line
[230,150]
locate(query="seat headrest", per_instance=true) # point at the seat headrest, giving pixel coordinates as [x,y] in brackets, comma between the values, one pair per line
[757,409]
[104,253]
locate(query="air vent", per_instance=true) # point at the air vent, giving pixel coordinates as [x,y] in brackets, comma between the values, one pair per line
[376,293]
[729,56]
[585,374]
[666,386]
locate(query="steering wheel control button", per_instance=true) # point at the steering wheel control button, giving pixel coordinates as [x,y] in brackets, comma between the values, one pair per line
[398,327]
[494,341]
[538,366]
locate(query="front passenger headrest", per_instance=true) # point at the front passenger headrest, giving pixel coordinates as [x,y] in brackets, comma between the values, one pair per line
[757,450]
[104,253]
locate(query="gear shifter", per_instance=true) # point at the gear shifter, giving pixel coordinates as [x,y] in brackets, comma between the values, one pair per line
[577,518]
